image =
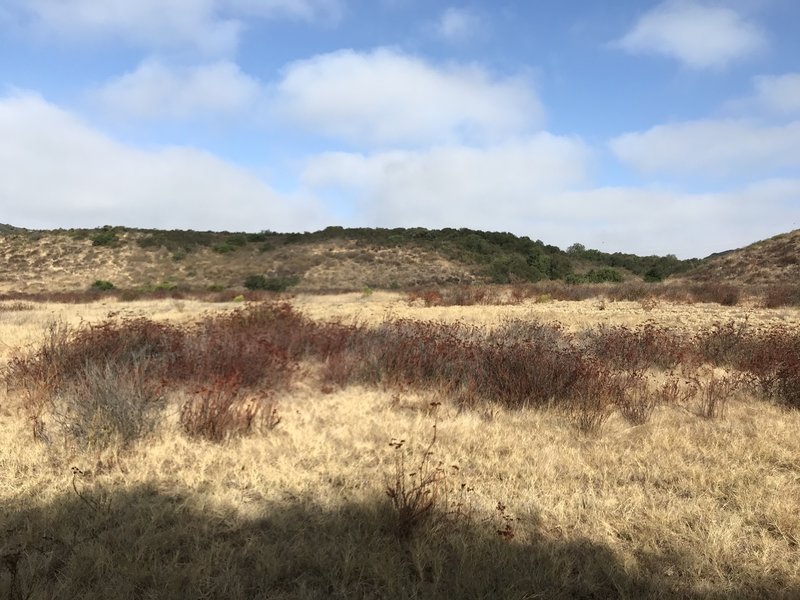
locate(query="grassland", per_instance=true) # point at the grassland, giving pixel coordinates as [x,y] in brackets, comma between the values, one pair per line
[388,445]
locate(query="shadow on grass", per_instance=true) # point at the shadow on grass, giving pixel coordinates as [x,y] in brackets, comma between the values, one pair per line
[143,543]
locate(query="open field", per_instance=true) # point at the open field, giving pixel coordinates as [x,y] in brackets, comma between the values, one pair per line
[361,445]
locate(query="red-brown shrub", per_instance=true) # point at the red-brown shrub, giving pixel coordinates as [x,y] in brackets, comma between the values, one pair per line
[222,408]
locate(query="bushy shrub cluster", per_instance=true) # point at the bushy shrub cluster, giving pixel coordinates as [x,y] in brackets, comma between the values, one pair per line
[101,285]
[106,236]
[602,284]
[604,275]
[270,284]
[105,382]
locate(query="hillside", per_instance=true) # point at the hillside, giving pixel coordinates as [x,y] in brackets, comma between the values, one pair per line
[332,259]
[770,261]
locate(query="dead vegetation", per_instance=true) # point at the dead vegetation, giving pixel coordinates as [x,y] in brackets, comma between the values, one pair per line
[773,262]
[259,451]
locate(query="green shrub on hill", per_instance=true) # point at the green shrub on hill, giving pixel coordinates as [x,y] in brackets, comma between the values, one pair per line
[596,276]
[270,284]
[102,285]
[106,236]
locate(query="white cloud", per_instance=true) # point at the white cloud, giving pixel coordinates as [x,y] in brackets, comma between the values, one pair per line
[498,187]
[58,172]
[652,221]
[155,90]
[699,35]
[711,147]
[458,24]
[211,26]
[537,188]
[778,93]
[306,10]
[386,97]
[151,23]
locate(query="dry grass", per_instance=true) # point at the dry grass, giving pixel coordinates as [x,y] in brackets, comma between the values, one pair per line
[680,506]
[574,315]
[772,261]
[56,262]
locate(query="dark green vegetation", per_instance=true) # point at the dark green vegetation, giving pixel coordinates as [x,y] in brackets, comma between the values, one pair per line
[101,285]
[270,284]
[493,256]
[507,258]
[649,268]
[335,259]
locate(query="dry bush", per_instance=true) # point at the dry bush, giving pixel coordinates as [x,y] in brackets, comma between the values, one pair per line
[522,291]
[415,493]
[423,492]
[714,392]
[518,364]
[100,381]
[728,343]
[97,382]
[780,295]
[677,293]
[540,334]
[574,292]
[35,377]
[769,357]
[220,349]
[726,294]
[16,306]
[635,349]
[590,405]
[636,402]
[463,295]
[223,409]
[677,391]
[101,406]
[633,291]
[787,383]
[772,360]
[429,297]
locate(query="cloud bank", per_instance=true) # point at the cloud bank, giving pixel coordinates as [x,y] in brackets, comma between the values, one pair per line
[387,97]
[155,90]
[711,147]
[58,170]
[698,35]
[210,26]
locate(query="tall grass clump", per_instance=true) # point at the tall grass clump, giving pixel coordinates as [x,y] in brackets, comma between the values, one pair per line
[96,384]
[221,409]
[769,357]
[102,381]
[643,347]
[103,405]
[521,365]
[780,295]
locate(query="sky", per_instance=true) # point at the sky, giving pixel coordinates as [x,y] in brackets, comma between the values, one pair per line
[646,126]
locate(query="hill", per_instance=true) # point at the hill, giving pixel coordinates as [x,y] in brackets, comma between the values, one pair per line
[331,259]
[770,261]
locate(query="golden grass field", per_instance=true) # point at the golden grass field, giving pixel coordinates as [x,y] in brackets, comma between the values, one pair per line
[526,505]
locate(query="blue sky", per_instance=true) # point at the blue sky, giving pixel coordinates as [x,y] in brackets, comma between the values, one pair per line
[650,127]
